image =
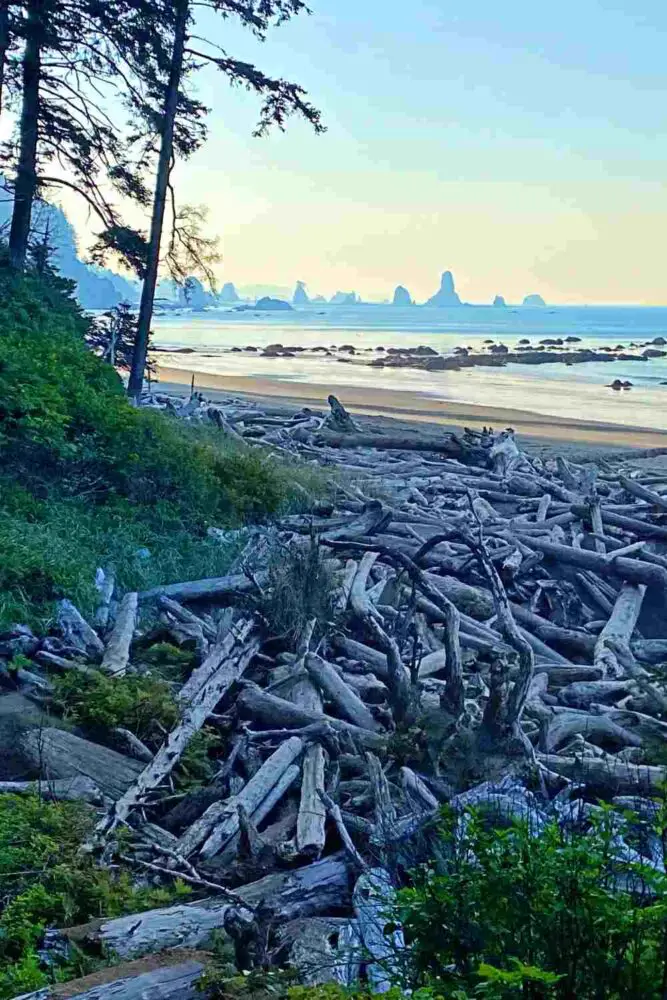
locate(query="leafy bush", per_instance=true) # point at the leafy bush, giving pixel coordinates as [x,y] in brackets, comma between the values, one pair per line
[45,880]
[80,463]
[513,914]
[98,703]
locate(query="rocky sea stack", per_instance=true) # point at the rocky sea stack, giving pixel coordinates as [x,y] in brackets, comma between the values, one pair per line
[402,296]
[446,295]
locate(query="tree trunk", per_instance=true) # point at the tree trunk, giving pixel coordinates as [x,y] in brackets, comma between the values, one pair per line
[25,184]
[136,380]
[4,43]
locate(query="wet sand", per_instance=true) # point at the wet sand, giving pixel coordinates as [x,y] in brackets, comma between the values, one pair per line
[393,407]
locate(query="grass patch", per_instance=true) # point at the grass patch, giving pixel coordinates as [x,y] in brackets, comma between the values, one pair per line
[301,587]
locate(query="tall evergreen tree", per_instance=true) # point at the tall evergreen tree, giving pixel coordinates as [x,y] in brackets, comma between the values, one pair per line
[77,55]
[179,121]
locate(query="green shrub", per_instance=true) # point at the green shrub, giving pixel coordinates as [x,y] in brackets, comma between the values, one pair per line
[45,880]
[99,703]
[510,914]
[301,587]
[87,479]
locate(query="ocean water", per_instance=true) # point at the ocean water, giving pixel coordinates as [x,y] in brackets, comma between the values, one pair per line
[579,391]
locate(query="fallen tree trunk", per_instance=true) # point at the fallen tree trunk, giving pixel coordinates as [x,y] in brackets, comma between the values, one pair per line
[612,649]
[318,888]
[215,587]
[273,712]
[632,570]
[337,691]
[167,982]
[117,652]
[226,825]
[607,776]
[448,446]
[55,753]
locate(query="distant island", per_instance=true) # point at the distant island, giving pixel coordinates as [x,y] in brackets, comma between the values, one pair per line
[534,300]
[402,297]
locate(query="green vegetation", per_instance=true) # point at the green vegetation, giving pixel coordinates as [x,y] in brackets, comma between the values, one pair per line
[88,480]
[301,587]
[98,703]
[47,881]
[509,914]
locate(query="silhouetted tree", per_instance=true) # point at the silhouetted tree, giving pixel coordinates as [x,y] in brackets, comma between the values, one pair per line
[112,336]
[181,129]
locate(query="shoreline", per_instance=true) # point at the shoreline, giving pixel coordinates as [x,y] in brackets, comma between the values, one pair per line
[409,407]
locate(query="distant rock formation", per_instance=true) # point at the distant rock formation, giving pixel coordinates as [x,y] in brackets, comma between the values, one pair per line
[446,295]
[499,301]
[228,293]
[193,294]
[300,297]
[534,300]
[402,296]
[318,298]
[272,305]
[344,299]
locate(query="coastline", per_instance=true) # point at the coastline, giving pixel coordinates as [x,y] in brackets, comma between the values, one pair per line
[410,407]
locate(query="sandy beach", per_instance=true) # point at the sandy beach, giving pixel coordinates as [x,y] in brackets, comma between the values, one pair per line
[413,408]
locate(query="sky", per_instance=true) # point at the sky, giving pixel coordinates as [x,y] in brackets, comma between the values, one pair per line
[522,145]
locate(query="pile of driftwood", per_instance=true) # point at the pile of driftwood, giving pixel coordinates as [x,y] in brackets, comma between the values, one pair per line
[495,634]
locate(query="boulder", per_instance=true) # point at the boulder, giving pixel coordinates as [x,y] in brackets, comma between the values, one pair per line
[652,352]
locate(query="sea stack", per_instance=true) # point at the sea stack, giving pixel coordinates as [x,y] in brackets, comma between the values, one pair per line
[446,295]
[344,299]
[534,300]
[499,302]
[402,296]
[300,297]
[228,293]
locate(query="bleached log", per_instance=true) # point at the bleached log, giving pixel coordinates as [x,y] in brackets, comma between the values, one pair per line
[606,775]
[342,595]
[334,688]
[355,650]
[220,653]
[257,790]
[76,630]
[632,570]
[310,827]
[598,729]
[385,811]
[318,888]
[275,712]
[55,753]
[637,490]
[581,694]
[55,662]
[117,652]
[214,588]
[417,790]
[105,584]
[447,446]
[359,599]
[202,699]
[373,897]
[612,649]
[78,788]
[188,617]
[166,982]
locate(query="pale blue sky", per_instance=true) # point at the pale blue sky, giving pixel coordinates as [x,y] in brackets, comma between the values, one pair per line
[523,145]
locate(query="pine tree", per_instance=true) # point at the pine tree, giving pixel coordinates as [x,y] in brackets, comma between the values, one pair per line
[181,130]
